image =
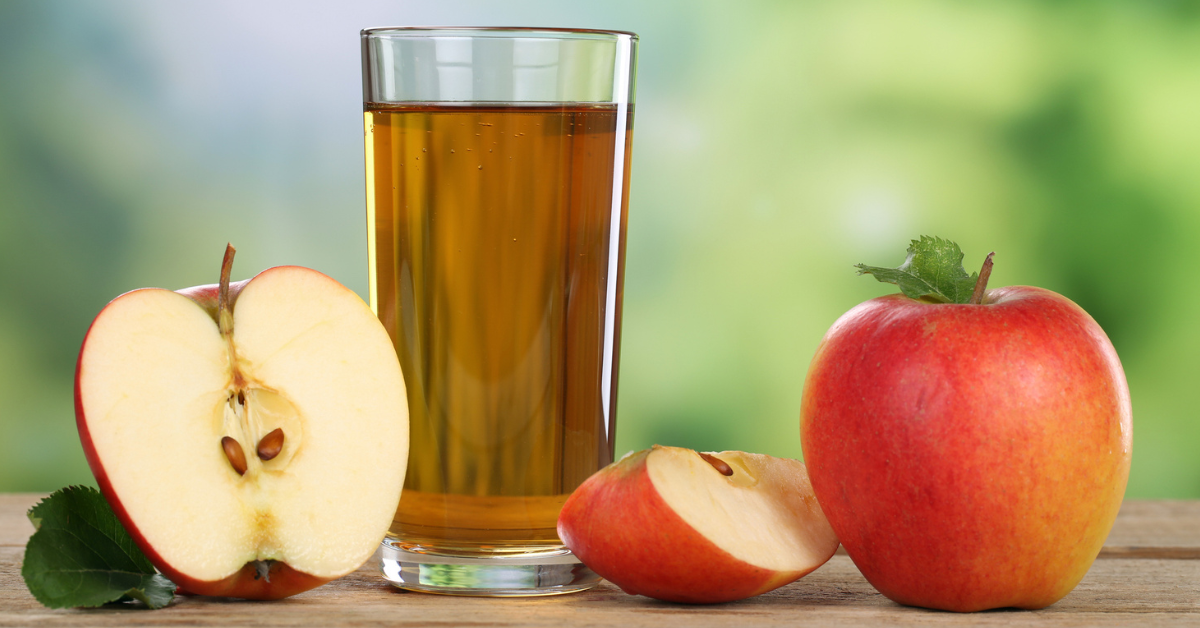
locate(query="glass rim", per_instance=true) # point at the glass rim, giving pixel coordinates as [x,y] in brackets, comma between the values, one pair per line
[511,32]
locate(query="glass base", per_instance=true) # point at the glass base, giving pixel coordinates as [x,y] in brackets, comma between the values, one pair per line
[415,568]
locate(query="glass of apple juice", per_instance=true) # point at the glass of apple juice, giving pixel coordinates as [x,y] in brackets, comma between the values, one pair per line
[497,167]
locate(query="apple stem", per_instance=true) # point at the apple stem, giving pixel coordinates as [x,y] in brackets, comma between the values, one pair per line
[981,284]
[224,316]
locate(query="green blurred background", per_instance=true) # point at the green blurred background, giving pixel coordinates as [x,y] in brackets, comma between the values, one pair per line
[776,145]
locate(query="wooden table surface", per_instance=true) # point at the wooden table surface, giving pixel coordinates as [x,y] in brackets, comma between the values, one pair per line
[1148,574]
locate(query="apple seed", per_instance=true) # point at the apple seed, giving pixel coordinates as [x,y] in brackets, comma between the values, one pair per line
[718,464]
[233,451]
[271,444]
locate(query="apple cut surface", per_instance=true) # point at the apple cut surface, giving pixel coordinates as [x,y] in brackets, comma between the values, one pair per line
[666,523]
[157,391]
[764,513]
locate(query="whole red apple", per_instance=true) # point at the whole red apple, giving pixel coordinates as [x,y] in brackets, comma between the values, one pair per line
[701,528]
[969,456]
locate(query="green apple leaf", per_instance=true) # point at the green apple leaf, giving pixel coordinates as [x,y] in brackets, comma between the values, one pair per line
[80,555]
[933,271]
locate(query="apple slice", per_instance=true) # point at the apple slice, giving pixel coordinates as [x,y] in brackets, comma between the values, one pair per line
[681,526]
[254,451]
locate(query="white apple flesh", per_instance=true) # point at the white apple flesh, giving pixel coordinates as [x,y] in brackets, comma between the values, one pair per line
[159,386]
[676,525]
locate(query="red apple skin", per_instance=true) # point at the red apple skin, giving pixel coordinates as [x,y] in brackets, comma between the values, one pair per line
[282,581]
[617,524]
[208,295]
[969,456]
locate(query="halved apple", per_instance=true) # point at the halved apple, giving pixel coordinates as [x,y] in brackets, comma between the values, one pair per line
[682,526]
[254,451]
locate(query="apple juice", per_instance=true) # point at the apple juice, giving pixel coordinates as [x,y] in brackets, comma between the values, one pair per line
[497,251]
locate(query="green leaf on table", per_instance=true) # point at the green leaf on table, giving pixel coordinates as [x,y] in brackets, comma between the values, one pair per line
[80,555]
[932,271]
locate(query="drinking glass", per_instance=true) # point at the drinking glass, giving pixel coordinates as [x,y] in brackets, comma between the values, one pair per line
[497,165]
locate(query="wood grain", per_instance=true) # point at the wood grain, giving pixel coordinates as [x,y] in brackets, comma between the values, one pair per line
[14,524]
[1120,590]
